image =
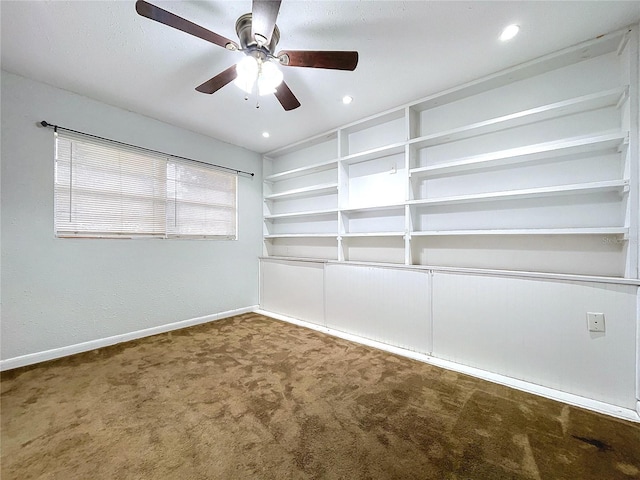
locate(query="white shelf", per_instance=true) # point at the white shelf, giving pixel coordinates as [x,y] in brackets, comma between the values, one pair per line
[374,208]
[372,234]
[530,152]
[592,187]
[302,235]
[298,172]
[310,213]
[374,153]
[305,191]
[528,231]
[607,98]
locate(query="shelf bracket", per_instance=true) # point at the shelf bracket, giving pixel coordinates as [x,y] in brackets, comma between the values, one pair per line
[623,97]
[624,144]
[623,43]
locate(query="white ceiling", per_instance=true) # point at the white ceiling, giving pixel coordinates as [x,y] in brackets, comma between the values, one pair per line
[408,50]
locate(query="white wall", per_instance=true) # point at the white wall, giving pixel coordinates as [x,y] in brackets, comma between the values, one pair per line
[536,330]
[62,292]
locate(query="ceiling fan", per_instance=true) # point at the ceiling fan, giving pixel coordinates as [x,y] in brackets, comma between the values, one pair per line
[258,35]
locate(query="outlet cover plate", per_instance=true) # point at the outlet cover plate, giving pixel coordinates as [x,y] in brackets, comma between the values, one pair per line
[595,321]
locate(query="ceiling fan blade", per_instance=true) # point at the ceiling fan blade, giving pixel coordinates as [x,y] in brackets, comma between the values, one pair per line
[286,97]
[216,83]
[319,59]
[263,18]
[162,16]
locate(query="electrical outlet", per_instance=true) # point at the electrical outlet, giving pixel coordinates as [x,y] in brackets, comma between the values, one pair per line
[595,321]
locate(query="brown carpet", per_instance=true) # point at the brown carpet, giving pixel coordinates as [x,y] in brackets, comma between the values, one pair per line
[253,398]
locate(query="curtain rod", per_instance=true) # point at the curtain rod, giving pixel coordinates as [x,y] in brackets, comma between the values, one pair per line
[58,127]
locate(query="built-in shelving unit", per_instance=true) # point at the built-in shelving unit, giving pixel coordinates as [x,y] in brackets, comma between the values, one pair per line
[543,155]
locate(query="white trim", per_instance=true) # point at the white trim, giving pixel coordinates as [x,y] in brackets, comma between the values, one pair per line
[54,353]
[569,398]
[638,351]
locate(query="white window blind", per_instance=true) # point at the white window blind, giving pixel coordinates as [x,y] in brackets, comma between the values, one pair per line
[200,201]
[104,189]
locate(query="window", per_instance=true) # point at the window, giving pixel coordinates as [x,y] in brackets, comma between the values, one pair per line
[107,190]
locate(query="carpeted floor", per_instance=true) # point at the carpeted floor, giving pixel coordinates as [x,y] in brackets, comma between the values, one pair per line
[253,398]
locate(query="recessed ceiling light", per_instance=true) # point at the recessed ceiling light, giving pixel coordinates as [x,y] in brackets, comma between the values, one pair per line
[347,99]
[266,134]
[509,32]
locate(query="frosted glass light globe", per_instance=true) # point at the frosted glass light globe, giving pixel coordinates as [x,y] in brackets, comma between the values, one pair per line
[269,78]
[247,70]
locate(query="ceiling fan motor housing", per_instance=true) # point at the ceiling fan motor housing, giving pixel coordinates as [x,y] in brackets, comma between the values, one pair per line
[251,45]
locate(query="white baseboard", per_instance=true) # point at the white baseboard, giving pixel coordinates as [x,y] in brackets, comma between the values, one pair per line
[54,353]
[569,398]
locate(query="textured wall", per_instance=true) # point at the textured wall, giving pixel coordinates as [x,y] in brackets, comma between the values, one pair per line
[61,292]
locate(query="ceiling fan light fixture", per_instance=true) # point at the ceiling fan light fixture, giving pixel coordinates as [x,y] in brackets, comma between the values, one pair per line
[258,36]
[269,78]
[247,69]
[252,71]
